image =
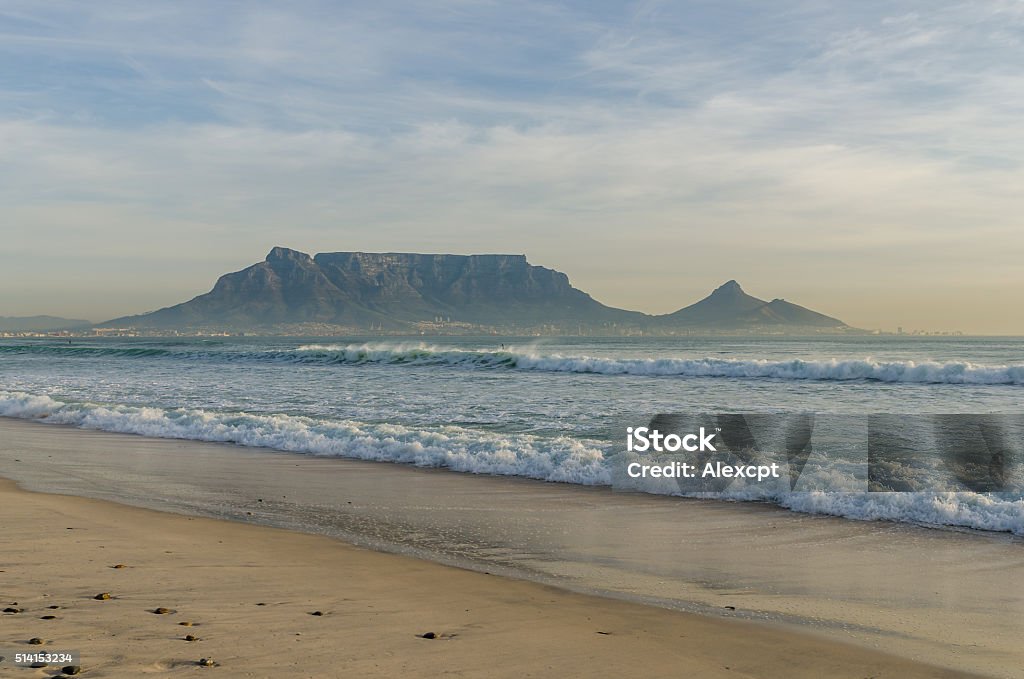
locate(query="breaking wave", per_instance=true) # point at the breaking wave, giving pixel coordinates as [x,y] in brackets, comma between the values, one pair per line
[411,354]
[866,369]
[559,459]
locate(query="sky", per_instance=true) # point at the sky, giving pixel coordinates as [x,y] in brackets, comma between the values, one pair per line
[860,158]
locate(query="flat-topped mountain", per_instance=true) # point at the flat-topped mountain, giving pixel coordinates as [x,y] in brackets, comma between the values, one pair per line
[407,291]
[729,307]
[387,291]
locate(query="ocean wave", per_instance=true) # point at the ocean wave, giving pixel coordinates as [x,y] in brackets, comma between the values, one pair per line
[86,350]
[530,359]
[558,459]
[979,511]
[924,372]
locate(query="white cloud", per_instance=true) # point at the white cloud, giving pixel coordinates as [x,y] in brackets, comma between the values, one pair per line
[877,150]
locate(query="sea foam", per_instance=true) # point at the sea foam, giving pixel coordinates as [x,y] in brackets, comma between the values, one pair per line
[561,459]
[866,369]
[531,359]
[558,459]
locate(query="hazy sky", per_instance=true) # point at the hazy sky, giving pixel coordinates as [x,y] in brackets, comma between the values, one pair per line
[861,158]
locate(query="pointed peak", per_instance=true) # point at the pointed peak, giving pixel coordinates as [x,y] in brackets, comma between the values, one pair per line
[280,253]
[728,286]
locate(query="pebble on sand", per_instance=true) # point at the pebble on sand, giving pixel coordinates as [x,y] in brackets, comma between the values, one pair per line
[317,613]
[206,662]
[48,617]
[71,669]
[429,635]
[102,596]
[190,637]
[161,611]
[10,609]
[35,641]
[118,565]
[185,623]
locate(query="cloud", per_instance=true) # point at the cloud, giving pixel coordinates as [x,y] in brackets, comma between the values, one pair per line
[877,147]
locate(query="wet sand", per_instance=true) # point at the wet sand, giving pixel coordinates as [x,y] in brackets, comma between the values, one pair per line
[252,597]
[781,594]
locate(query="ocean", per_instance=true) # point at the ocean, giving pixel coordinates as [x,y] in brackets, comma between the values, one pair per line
[539,407]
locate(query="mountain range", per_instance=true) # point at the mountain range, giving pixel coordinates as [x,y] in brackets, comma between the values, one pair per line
[40,323]
[408,291]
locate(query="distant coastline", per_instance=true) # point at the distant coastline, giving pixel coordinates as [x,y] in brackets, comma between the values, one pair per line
[292,294]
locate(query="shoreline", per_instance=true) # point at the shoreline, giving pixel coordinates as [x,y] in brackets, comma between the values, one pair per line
[913,592]
[252,594]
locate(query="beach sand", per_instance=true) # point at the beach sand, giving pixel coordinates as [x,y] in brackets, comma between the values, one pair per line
[251,592]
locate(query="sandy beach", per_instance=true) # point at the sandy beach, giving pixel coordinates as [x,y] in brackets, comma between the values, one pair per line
[251,595]
[685,588]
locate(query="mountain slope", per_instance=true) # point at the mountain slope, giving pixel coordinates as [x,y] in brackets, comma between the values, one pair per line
[729,307]
[402,291]
[40,323]
[724,305]
[386,290]
[781,312]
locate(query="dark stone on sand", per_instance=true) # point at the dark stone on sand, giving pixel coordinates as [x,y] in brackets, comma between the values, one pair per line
[185,623]
[206,662]
[53,608]
[118,565]
[102,596]
[12,610]
[428,635]
[71,669]
[189,637]
[730,608]
[261,604]
[48,617]
[35,641]
[317,613]
[161,611]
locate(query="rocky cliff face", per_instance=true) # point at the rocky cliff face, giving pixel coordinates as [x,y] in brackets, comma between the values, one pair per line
[387,290]
[473,288]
